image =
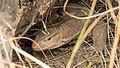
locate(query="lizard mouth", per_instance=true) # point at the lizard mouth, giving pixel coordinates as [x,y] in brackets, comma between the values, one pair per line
[39,47]
[44,46]
[36,47]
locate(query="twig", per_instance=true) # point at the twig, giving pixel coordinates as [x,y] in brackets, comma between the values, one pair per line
[30,25]
[116,40]
[4,21]
[76,17]
[112,13]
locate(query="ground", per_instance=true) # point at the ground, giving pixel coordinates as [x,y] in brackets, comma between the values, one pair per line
[58,58]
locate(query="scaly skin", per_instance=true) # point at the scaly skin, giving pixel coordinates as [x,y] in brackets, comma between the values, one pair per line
[61,34]
[58,36]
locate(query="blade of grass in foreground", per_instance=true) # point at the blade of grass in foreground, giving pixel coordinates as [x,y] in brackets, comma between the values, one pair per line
[78,43]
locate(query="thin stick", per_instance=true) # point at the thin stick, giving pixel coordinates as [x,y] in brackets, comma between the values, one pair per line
[5,22]
[76,17]
[30,25]
[112,13]
[116,40]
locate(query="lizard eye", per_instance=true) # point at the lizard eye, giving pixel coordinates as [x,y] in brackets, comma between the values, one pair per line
[49,38]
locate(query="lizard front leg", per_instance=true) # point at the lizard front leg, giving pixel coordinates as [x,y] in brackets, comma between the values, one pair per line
[100,36]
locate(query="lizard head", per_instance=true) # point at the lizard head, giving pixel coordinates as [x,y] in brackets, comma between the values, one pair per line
[47,41]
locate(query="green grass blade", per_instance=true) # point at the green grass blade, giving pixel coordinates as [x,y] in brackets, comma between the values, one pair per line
[78,43]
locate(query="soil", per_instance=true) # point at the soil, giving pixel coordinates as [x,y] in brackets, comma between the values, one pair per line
[58,58]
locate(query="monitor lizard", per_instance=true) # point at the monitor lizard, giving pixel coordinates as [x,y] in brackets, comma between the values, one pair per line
[61,34]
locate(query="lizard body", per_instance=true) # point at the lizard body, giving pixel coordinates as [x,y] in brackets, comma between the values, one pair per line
[63,33]
[60,35]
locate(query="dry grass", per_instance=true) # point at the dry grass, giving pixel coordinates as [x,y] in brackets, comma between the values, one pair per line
[8,41]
